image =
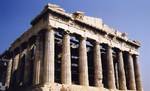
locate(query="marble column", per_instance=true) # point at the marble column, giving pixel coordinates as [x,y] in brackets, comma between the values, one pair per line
[15,67]
[66,60]
[37,62]
[121,71]
[21,66]
[48,75]
[8,74]
[97,65]
[137,74]
[41,45]
[27,66]
[130,70]
[110,69]
[83,65]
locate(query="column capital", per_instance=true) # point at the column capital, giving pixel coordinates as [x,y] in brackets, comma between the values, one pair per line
[67,32]
[16,51]
[109,46]
[127,52]
[83,37]
[118,50]
[97,42]
[50,28]
[135,55]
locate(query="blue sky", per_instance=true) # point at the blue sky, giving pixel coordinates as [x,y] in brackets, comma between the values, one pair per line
[131,16]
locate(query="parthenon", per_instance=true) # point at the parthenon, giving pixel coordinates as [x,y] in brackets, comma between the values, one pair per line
[70,52]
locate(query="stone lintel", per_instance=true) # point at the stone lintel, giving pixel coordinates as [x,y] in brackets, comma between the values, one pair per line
[105,29]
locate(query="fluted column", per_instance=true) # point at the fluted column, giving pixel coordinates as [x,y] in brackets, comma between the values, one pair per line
[37,62]
[121,71]
[137,74]
[41,45]
[8,74]
[27,66]
[66,60]
[15,67]
[130,69]
[48,75]
[83,65]
[110,70]
[97,65]
[19,78]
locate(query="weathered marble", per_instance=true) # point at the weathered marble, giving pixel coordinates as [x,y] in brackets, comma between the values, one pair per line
[53,19]
[83,65]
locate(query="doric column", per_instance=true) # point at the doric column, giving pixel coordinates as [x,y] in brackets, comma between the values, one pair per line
[130,69]
[137,74]
[27,67]
[83,65]
[97,65]
[41,45]
[21,65]
[15,63]
[48,75]
[18,70]
[121,71]
[110,70]
[66,60]
[37,62]
[8,74]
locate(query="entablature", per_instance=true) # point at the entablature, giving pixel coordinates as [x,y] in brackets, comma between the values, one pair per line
[55,17]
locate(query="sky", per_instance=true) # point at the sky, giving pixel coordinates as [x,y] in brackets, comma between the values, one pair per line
[130,16]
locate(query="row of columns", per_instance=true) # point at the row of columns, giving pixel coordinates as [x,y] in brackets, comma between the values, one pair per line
[83,70]
[83,67]
[48,67]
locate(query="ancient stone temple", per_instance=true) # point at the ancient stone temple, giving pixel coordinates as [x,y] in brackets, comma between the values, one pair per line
[70,52]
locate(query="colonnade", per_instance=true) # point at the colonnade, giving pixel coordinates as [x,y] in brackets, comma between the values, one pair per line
[131,74]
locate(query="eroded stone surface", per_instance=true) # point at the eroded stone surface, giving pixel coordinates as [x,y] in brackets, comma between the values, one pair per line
[37,46]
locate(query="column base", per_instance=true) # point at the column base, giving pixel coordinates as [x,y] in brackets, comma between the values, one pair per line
[63,87]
